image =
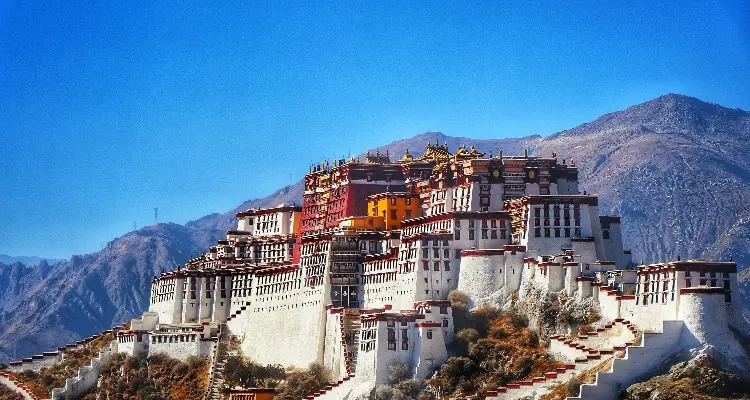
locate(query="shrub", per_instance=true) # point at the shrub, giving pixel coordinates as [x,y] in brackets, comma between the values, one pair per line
[300,384]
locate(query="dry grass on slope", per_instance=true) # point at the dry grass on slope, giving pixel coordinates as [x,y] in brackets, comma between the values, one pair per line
[155,377]
[510,352]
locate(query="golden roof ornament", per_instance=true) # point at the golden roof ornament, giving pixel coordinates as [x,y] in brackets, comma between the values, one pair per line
[407,158]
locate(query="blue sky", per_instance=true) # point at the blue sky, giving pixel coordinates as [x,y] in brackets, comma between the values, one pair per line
[107,111]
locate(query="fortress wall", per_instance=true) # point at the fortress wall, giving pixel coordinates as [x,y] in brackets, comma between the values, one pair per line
[706,322]
[586,251]
[482,275]
[609,305]
[629,310]
[37,362]
[222,296]
[179,346]
[584,289]
[429,350]
[333,358]
[649,317]
[286,328]
[166,299]
[383,358]
[87,376]
[378,290]
[555,278]
[405,290]
[513,271]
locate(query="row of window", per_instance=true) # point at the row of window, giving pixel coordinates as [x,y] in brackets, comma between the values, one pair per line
[557,232]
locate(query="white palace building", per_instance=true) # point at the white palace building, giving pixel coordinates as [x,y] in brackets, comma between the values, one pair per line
[357,278]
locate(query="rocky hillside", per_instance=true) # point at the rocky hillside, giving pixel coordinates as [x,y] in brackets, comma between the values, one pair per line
[675,168]
[697,379]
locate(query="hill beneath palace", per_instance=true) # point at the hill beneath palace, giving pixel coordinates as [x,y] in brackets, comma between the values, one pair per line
[675,168]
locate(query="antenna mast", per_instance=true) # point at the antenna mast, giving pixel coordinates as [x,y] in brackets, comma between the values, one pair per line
[156,215]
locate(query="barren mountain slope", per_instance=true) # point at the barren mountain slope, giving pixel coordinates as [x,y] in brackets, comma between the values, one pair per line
[91,293]
[681,182]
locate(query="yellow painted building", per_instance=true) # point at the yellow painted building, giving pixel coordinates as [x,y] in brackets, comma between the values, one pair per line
[366,223]
[394,207]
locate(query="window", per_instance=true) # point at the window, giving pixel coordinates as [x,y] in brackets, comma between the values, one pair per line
[546,232]
[429,334]
[493,234]
[444,310]
[436,266]
[457,234]
[392,346]
[425,252]
[471,234]
[445,323]
[544,190]
[393,214]
[605,234]
[407,201]
[557,232]
[447,265]
[484,234]
[392,334]
[407,214]
[446,252]
[458,254]
[404,345]
[537,232]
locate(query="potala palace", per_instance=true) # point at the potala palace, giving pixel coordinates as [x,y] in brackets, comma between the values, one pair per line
[357,277]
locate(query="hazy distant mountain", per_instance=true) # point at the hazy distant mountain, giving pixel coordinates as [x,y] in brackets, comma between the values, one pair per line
[675,168]
[28,260]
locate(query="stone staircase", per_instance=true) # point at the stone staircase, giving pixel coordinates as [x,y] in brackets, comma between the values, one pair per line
[218,361]
[639,358]
[236,313]
[586,352]
[351,327]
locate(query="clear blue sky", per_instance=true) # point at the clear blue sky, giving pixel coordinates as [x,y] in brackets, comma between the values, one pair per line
[107,111]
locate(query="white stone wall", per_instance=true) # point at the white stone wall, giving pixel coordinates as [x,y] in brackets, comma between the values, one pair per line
[429,350]
[37,362]
[334,359]
[482,277]
[87,376]
[292,323]
[705,316]
[176,345]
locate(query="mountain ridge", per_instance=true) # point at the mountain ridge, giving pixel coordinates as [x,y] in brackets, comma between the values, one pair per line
[672,167]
